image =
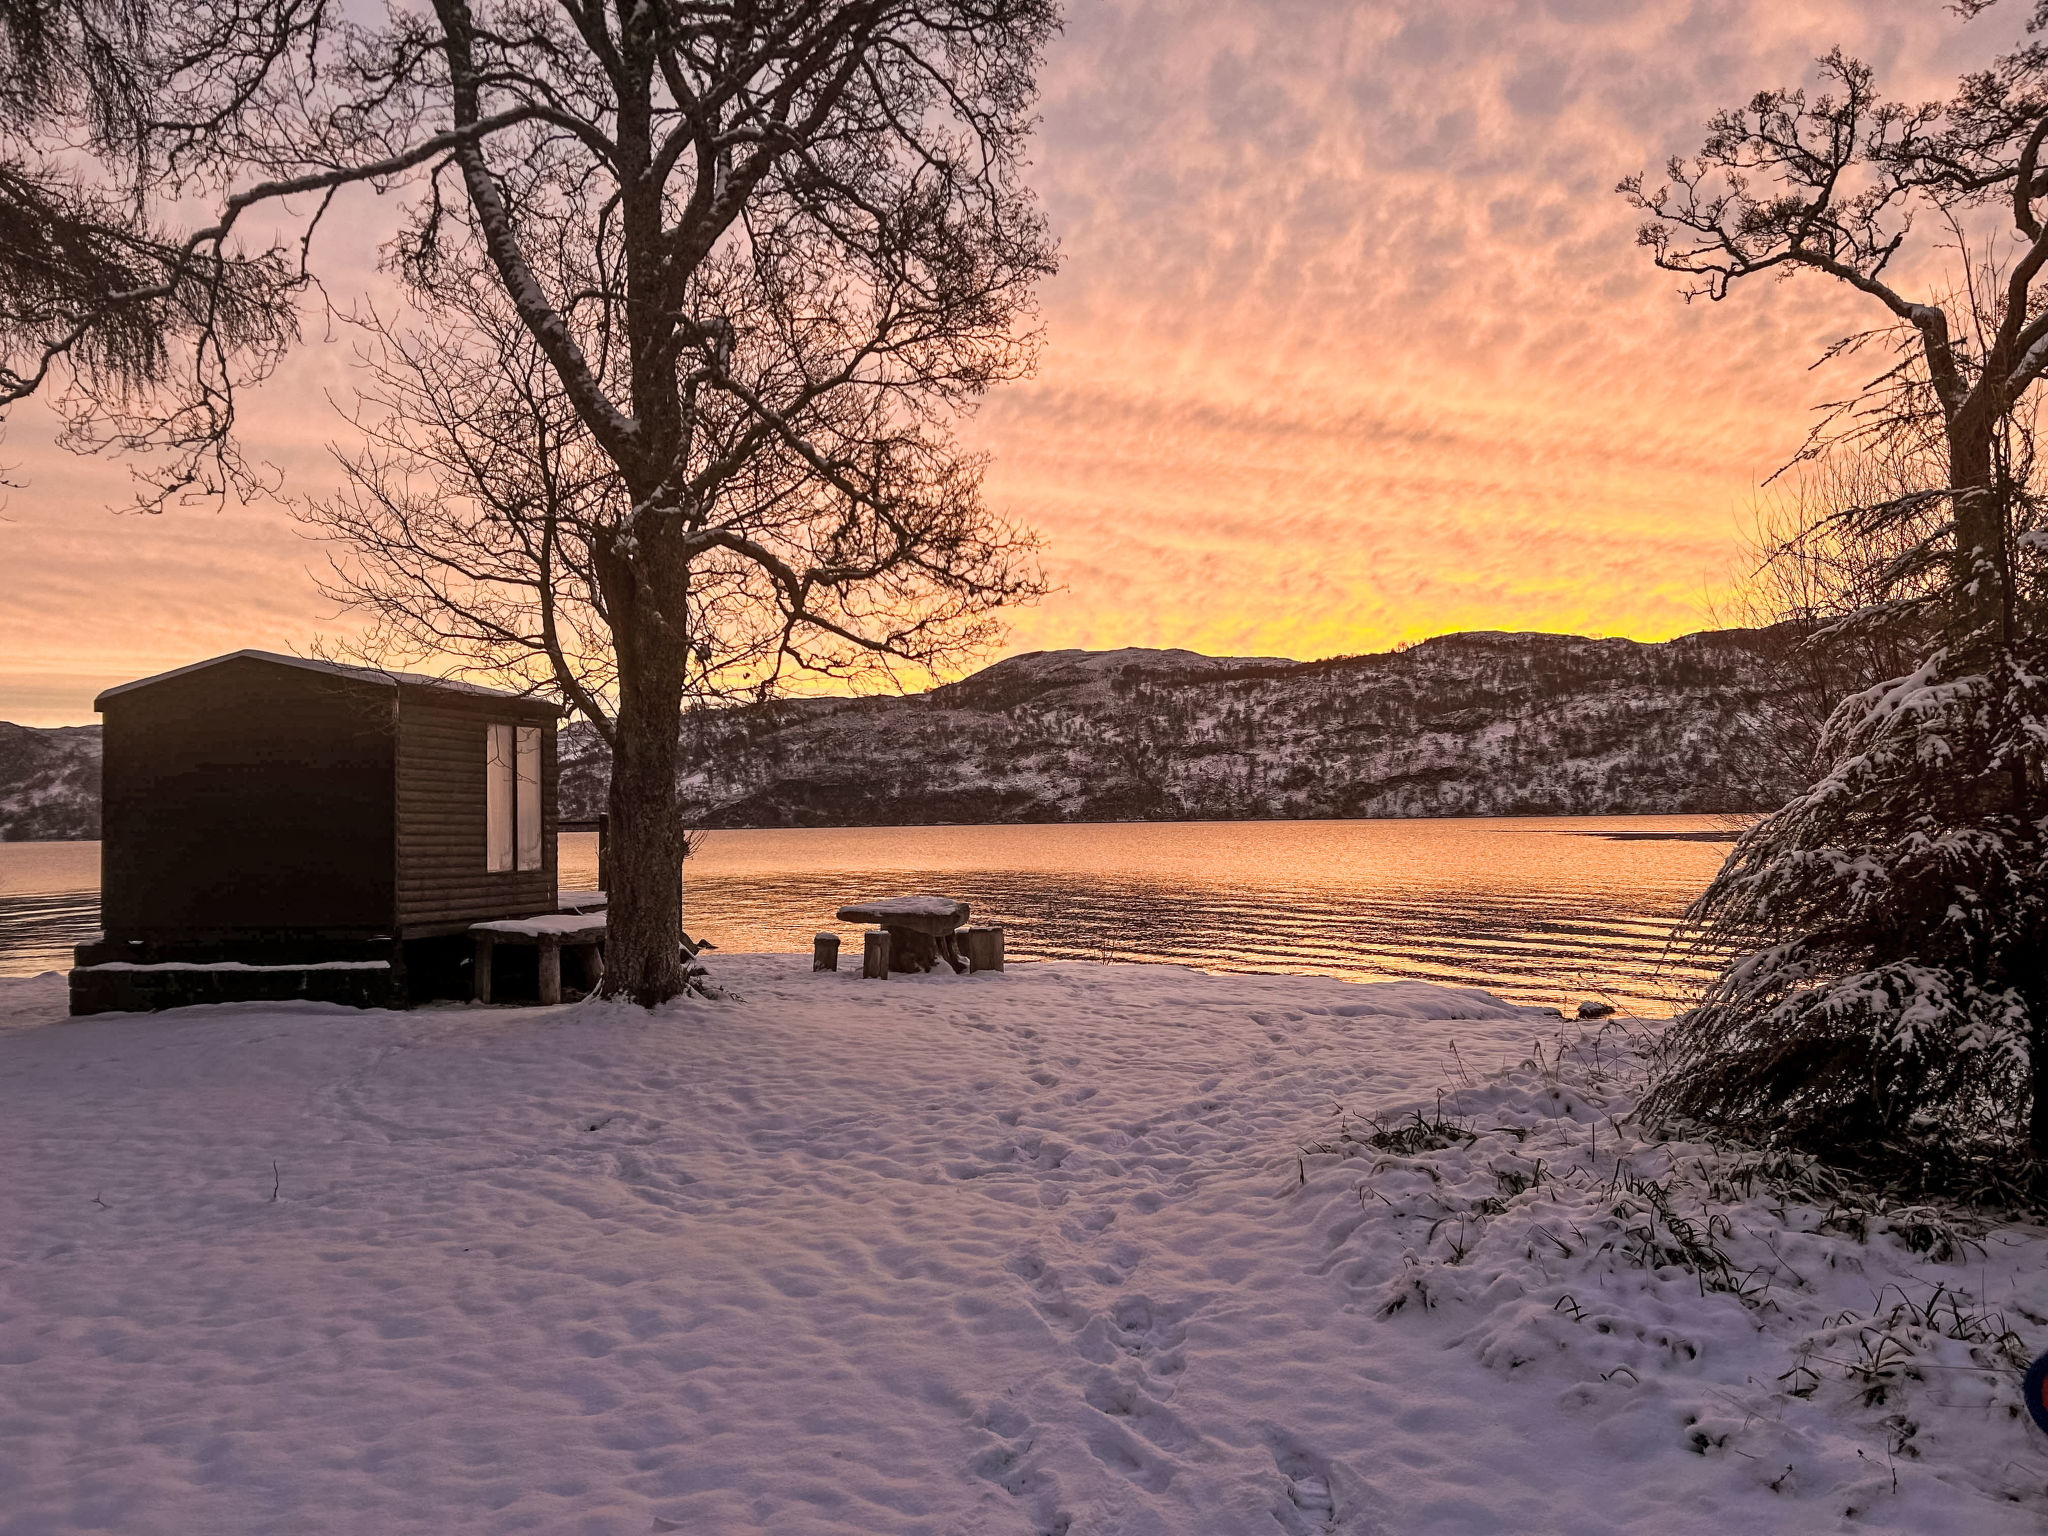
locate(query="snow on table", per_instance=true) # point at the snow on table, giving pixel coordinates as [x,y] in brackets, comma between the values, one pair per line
[1003,1253]
[891,908]
[563,925]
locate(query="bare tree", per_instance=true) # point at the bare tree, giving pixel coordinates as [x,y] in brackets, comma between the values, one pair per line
[1885,933]
[1838,183]
[732,270]
[111,113]
[1840,599]
[472,496]
[473,499]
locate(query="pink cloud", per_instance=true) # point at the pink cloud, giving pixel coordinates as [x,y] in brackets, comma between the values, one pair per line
[1351,345]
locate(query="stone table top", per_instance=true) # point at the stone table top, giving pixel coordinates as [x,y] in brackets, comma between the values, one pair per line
[934,915]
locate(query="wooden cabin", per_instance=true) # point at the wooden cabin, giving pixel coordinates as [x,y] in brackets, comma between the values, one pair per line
[275,827]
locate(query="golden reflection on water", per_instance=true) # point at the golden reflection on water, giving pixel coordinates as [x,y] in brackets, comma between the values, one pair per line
[49,901]
[1538,909]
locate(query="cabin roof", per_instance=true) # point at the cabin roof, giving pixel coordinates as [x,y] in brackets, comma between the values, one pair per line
[376,677]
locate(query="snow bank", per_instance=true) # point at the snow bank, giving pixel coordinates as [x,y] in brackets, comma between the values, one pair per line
[1042,1250]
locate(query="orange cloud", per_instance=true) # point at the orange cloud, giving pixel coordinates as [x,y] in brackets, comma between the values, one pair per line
[1351,345]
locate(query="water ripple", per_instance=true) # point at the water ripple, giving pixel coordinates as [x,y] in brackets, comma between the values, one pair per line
[1518,906]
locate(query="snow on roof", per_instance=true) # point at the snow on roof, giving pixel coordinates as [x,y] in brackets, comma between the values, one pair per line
[236,965]
[377,676]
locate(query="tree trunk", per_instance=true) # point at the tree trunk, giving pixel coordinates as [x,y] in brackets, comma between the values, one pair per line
[1979,618]
[2037,1120]
[1981,627]
[643,959]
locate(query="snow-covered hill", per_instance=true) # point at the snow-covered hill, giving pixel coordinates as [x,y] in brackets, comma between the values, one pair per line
[1469,724]
[49,783]
[1464,725]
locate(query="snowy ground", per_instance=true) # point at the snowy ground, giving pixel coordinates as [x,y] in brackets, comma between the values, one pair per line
[1032,1252]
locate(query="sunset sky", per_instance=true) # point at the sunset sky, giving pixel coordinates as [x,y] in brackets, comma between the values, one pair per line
[1351,345]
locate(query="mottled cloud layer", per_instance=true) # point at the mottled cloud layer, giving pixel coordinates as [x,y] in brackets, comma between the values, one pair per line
[1351,345]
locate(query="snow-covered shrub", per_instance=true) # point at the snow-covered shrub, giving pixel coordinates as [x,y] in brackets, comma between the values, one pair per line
[1884,999]
[1885,986]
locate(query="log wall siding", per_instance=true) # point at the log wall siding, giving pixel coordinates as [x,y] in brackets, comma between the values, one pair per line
[247,798]
[442,882]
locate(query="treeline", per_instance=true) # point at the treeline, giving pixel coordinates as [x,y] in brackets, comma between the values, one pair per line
[1475,724]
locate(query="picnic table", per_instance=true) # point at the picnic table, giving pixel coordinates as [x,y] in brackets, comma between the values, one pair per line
[581,933]
[923,930]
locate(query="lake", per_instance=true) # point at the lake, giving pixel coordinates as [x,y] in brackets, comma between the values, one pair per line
[1538,909]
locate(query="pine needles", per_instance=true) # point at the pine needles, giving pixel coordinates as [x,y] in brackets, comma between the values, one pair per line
[1885,999]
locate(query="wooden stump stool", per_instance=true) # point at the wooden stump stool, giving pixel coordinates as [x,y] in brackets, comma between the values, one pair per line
[985,948]
[825,952]
[874,959]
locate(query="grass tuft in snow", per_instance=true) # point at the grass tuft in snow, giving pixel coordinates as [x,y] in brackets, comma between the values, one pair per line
[1406,1138]
[1533,1213]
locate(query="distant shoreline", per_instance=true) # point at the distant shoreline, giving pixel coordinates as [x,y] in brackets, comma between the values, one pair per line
[1711,835]
[1715,836]
[1705,835]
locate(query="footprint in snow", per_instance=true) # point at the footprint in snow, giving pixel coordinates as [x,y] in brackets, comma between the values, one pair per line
[1123,1259]
[1048,1296]
[1128,1399]
[1310,1505]
[1039,1152]
[1010,1464]
[1091,1223]
[1136,1327]
[1316,1500]
[1121,1454]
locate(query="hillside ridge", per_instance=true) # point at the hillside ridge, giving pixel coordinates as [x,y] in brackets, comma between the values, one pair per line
[1482,722]
[1476,723]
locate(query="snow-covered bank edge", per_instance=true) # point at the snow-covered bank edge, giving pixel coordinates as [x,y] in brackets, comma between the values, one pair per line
[992,1255]
[1826,1344]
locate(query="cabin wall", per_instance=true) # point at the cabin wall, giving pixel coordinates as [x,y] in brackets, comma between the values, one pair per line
[442,879]
[248,800]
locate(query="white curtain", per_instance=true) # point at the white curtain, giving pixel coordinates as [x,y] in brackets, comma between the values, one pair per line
[500,796]
[529,797]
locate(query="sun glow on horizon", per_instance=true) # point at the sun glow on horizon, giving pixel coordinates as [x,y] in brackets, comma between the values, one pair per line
[1351,346]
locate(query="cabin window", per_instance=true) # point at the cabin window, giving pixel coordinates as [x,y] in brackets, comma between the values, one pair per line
[512,798]
[529,797]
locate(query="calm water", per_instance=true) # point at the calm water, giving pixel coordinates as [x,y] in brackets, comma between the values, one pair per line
[1540,909]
